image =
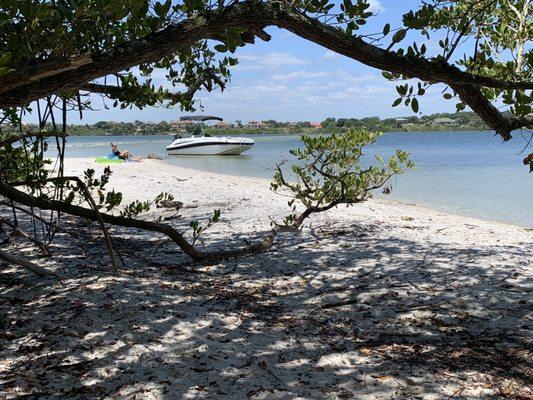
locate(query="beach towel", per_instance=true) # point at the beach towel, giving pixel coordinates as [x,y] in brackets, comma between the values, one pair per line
[110,159]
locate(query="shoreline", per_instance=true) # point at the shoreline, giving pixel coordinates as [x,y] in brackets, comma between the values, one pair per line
[88,162]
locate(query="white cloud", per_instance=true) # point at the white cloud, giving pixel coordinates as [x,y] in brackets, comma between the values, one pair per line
[259,92]
[300,75]
[344,76]
[331,54]
[273,60]
[376,6]
[266,89]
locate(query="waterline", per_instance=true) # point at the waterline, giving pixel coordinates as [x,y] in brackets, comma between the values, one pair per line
[470,173]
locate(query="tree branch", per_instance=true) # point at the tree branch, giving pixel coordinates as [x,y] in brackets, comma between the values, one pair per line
[502,124]
[46,204]
[34,72]
[17,231]
[116,92]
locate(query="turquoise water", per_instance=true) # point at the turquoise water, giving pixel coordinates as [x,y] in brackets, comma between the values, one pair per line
[470,173]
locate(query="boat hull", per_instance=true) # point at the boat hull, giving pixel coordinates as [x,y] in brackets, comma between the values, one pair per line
[210,146]
[214,149]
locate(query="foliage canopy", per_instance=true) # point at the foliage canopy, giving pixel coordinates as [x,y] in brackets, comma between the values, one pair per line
[483,57]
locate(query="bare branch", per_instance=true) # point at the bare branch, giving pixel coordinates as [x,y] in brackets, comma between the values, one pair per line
[13,259]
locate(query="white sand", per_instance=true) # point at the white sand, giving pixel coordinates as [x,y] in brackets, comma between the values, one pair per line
[441,304]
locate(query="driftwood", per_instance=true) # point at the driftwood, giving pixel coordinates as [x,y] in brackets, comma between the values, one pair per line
[175,204]
[153,156]
[339,303]
[13,259]
[38,218]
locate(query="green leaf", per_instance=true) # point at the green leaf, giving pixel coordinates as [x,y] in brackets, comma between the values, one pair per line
[5,59]
[414,105]
[402,89]
[397,102]
[399,36]
[158,8]
[386,29]
[221,48]
[6,70]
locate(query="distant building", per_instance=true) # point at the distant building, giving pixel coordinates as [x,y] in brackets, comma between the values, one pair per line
[401,121]
[255,125]
[223,125]
[445,122]
[177,126]
[316,125]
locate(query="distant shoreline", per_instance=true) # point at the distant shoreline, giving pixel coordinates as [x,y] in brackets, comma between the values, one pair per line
[246,132]
[439,122]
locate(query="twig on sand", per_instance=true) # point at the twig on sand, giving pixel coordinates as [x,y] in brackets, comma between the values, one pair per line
[265,368]
[339,303]
[24,263]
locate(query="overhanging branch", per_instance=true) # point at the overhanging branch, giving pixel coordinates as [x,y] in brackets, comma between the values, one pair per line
[118,92]
[255,16]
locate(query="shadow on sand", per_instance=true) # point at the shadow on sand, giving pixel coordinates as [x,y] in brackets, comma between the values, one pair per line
[338,313]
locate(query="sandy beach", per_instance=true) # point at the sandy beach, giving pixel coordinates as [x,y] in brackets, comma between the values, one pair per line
[381,300]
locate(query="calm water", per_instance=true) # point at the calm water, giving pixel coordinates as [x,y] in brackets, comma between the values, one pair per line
[471,173]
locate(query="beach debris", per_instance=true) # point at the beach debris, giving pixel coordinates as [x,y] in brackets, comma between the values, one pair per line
[153,156]
[175,204]
[14,259]
[256,325]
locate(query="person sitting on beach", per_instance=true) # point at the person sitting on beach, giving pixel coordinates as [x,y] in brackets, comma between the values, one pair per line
[120,154]
[124,155]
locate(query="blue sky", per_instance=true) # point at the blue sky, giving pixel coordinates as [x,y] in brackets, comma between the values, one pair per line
[290,79]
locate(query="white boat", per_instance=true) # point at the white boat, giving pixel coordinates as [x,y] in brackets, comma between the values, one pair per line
[209,145]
